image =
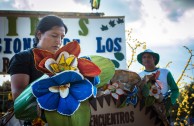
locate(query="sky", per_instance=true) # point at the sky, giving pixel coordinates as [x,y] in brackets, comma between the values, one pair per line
[165,25]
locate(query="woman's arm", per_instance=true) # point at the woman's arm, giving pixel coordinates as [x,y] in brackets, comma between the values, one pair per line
[18,83]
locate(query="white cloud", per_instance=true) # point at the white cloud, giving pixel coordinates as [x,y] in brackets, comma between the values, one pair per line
[157,30]
[22,4]
[60,6]
[176,8]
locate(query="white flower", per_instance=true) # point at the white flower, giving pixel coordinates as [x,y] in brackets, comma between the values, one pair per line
[155,91]
[114,90]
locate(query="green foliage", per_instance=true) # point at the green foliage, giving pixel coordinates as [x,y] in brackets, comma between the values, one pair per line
[5,93]
[117,65]
[168,105]
[184,107]
[6,86]
[119,56]
[107,69]
[149,100]
[146,89]
[80,118]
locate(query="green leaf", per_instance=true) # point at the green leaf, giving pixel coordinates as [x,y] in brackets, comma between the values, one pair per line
[145,90]
[119,56]
[107,69]
[149,101]
[55,119]
[168,105]
[123,104]
[149,84]
[117,65]
[80,118]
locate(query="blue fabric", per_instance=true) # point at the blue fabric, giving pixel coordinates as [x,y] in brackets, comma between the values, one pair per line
[94,91]
[67,76]
[67,106]
[132,96]
[80,92]
[87,57]
[96,80]
[80,89]
[41,87]
[49,101]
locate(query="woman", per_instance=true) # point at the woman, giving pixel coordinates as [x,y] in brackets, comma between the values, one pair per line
[48,36]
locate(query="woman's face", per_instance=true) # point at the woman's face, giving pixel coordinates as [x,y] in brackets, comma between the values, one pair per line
[51,39]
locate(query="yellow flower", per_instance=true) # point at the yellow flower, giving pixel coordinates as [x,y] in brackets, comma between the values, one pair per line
[38,122]
[175,123]
[144,46]
[65,61]
[185,121]
[10,96]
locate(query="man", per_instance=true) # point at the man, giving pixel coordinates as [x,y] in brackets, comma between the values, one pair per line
[149,60]
[164,81]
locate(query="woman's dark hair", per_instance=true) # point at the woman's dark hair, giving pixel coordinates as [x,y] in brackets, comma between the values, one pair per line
[47,23]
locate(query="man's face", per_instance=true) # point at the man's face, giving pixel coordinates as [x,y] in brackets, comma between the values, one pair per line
[148,60]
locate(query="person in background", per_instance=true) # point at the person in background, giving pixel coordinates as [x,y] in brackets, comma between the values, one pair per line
[169,90]
[49,34]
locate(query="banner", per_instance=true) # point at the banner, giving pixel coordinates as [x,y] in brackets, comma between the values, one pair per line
[97,35]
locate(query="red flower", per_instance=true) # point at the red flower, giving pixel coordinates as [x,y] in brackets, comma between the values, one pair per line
[86,67]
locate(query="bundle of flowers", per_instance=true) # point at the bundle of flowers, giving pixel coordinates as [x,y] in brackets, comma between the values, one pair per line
[152,89]
[70,79]
[123,87]
[63,91]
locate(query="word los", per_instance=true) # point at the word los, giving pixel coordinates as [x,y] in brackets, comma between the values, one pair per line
[110,119]
[110,45]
